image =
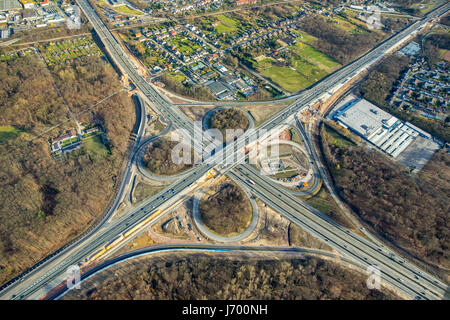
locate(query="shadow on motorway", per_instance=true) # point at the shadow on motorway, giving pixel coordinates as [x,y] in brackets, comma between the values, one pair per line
[99,43]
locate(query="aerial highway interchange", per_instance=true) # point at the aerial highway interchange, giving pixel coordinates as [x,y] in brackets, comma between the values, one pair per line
[395,270]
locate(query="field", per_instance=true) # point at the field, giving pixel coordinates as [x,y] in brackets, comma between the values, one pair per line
[262,112]
[95,146]
[177,76]
[306,67]
[314,57]
[323,202]
[286,77]
[347,24]
[337,139]
[226,24]
[427,6]
[127,10]
[285,174]
[305,37]
[445,54]
[8,132]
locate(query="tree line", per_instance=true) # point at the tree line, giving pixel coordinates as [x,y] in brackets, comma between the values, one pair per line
[200,276]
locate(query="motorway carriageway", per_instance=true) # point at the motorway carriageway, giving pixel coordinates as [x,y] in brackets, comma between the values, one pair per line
[339,237]
[200,248]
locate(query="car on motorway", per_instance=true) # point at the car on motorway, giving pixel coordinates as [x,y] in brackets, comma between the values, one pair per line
[400,279]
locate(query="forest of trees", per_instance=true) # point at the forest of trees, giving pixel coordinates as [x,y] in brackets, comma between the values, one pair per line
[44,203]
[409,213]
[337,43]
[394,24]
[227,211]
[432,45]
[406,6]
[199,276]
[224,119]
[446,20]
[378,86]
[158,158]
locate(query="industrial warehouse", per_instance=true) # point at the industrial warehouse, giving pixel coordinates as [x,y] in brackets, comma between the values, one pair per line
[398,139]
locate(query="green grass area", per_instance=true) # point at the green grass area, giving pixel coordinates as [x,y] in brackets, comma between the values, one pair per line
[427,6]
[337,139]
[295,137]
[127,10]
[177,76]
[306,67]
[144,191]
[95,146]
[286,77]
[8,132]
[305,37]
[322,202]
[310,66]
[285,174]
[7,57]
[342,24]
[443,53]
[352,17]
[226,24]
[349,24]
[315,57]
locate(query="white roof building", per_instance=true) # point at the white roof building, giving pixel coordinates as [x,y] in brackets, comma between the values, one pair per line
[380,128]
